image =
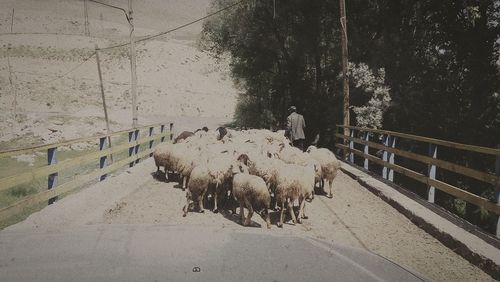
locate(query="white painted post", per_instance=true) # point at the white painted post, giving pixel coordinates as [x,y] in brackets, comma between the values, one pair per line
[431,190]
[385,156]
[497,191]
[366,138]
[151,131]
[351,146]
[52,178]
[103,161]
[392,143]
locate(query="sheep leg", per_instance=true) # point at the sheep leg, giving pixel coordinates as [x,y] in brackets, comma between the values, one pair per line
[200,202]
[181,181]
[280,223]
[186,207]
[233,205]
[322,185]
[292,213]
[301,211]
[187,181]
[330,184]
[184,181]
[215,199]
[266,217]
[242,214]
[248,220]
[299,217]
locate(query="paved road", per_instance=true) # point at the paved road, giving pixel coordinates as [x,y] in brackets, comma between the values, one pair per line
[184,253]
[354,218]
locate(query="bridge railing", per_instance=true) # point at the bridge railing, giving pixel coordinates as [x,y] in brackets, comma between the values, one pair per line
[23,187]
[360,142]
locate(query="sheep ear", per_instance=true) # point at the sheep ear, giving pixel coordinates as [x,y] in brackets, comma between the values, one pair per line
[241,169]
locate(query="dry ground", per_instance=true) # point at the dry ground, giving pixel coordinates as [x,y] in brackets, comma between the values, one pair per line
[49,93]
[354,217]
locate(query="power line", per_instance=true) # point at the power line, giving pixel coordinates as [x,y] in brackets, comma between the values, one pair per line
[176,28]
[69,71]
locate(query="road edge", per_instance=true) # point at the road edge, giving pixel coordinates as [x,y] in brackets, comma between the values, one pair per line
[477,253]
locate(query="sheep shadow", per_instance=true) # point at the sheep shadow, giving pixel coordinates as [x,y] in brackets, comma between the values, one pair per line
[159,176]
[274,217]
[236,218]
[172,177]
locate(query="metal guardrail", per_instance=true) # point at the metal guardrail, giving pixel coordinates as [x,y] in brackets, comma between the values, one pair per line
[53,167]
[389,166]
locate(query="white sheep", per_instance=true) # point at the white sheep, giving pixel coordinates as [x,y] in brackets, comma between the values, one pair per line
[293,155]
[161,156]
[197,187]
[329,165]
[251,192]
[293,183]
[219,168]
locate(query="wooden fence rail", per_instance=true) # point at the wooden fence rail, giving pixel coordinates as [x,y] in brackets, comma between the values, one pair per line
[389,150]
[100,157]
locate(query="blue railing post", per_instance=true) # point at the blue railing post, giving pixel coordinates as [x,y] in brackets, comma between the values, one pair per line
[171,132]
[351,146]
[497,191]
[366,137]
[151,132]
[132,148]
[431,172]
[136,151]
[162,129]
[103,161]
[52,178]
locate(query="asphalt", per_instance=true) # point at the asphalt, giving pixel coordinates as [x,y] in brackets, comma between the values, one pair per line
[184,253]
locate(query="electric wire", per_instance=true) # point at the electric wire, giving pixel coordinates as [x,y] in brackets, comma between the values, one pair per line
[149,37]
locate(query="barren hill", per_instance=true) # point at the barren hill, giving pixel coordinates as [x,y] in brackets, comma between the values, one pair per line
[49,91]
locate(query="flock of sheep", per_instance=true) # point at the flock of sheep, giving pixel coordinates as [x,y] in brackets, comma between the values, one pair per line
[257,169]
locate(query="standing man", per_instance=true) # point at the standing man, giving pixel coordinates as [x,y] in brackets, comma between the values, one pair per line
[295,126]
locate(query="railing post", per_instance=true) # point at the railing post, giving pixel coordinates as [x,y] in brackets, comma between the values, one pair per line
[162,129]
[151,131]
[171,132]
[366,137]
[392,144]
[497,191]
[132,148]
[52,178]
[385,155]
[136,137]
[431,191]
[103,161]
[351,146]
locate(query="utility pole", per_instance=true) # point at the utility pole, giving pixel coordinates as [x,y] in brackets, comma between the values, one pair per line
[133,88]
[102,94]
[86,14]
[12,21]
[343,24]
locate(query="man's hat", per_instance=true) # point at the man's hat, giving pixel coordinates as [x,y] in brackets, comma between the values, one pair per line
[292,108]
